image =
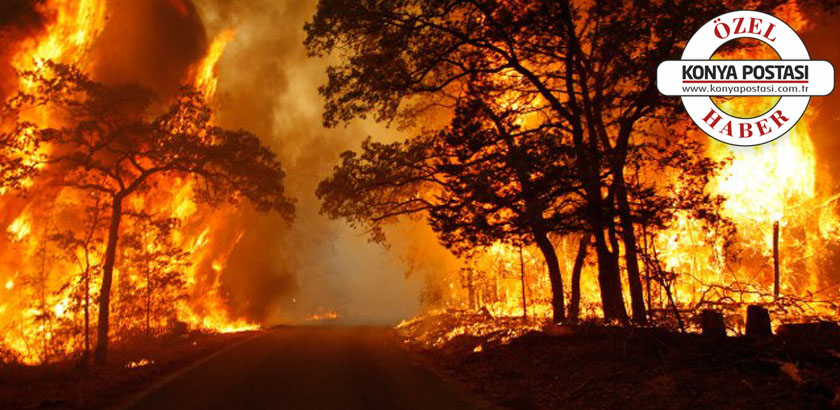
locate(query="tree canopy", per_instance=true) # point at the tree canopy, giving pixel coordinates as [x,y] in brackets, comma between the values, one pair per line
[117,141]
[581,74]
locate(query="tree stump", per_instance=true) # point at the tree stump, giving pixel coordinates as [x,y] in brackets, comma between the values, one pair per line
[758,322]
[711,322]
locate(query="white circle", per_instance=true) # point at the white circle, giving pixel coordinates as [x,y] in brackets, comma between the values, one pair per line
[787,44]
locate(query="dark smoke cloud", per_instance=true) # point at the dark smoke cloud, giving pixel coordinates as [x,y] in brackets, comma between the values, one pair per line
[19,19]
[21,13]
[149,42]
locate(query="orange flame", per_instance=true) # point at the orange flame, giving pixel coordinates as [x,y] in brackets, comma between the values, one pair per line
[30,329]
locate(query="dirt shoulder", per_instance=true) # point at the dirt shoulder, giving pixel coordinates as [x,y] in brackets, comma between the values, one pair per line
[594,367]
[128,372]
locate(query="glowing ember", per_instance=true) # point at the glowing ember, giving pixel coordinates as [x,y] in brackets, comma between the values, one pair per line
[323,316]
[139,363]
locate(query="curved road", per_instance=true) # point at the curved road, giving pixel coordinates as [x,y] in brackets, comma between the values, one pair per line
[311,368]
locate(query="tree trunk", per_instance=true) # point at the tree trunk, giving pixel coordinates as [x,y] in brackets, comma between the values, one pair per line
[107,276]
[148,306]
[628,236]
[148,293]
[554,276]
[574,303]
[522,277]
[609,277]
[609,280]
[42,292]
[86,355]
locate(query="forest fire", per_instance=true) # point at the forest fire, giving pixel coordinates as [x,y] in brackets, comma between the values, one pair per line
[503,278]
[43,311]
[709,269]
[256,192]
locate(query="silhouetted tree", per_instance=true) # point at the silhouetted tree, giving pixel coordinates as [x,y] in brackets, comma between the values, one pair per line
[109,140]
[586,68]
[506,183]
[480,180]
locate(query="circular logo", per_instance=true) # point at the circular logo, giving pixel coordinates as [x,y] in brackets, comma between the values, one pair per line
[696,78]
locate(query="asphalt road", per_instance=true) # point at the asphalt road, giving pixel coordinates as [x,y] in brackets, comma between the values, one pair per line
[311,368]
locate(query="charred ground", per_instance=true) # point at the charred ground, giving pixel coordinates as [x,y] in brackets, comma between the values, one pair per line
[596,367]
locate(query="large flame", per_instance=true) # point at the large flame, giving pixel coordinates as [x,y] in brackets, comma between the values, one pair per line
[37,316]
[74,25]
[776,183]
[772,184]
[206,77]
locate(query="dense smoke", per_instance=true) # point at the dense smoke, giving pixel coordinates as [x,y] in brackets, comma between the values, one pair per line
[152,43]
[269,86]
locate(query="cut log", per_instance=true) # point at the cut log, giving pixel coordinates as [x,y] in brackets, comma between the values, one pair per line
[711,322]
[758,322]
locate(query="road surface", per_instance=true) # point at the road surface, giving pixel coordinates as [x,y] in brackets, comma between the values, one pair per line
[308,368]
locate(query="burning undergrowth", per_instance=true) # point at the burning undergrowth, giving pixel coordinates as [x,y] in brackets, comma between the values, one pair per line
[463,330]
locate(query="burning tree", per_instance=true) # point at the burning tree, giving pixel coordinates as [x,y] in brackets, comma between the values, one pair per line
[106,139]
[80,248]
[579,72]
[151,254]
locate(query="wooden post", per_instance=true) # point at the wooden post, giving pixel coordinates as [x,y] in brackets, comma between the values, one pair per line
[522,271]
[471,294]
[758,322]
[777,275]
[712,324]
